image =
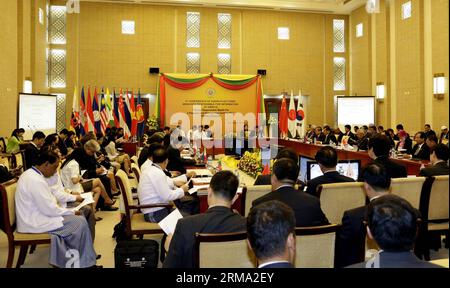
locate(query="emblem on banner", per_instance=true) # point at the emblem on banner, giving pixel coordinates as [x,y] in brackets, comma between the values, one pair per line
[210,92]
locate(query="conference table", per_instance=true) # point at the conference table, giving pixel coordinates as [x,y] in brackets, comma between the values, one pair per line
[304,150]
[216,146]
[310,150]
[245,180]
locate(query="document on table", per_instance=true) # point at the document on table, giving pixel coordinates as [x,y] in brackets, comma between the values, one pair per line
[88,199]
[205,180]
[201,172]
[169,223]
[197,188]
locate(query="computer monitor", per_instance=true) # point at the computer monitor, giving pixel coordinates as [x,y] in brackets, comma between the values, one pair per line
[303,164]
[349,168]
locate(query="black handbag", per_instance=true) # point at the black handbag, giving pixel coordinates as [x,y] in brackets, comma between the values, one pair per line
[136,254]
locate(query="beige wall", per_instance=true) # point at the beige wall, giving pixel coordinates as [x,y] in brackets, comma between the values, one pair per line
[440,36]
[393,48]
[361,54]
[8,66]
[303,62]
[99,55]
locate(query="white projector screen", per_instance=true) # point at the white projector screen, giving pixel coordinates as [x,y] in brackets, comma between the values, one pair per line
[37,112]
[355,110]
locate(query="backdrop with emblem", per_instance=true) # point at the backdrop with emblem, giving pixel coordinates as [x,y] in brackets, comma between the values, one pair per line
[212,94]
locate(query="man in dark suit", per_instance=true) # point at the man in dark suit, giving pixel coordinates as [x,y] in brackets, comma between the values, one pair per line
[351,237]
[392,223]
[428,131]
[379,148]
[176,163]
[438,161]
[271,234]
[32,149]
[420,150]
[361,141]
[306,207]
[219,218]
[327,160]
[145,154]
[348,132]
[329,136]
[340,134]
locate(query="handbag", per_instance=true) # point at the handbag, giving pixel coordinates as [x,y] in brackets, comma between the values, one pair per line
[136,254]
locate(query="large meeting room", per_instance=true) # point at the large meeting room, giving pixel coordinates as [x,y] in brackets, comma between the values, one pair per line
[224,134]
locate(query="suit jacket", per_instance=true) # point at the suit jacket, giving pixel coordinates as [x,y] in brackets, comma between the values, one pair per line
[327,178]
[431,132]
[62,147]
[393,169]
[176,163]
[441,168]
[363,144]
[407,145]
[31,154]
[278,265]
[330,138]
[424,152]
[405,259]
[143,156]
[217,219]
[339,139]
[306,207]
[86,162]
[351,238]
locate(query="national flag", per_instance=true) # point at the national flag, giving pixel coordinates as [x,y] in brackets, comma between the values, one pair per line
[283,121]
[104,121]
[140,116]
[75,117]
[134,121]
[301,115]
[115,110]
[127,110]
[292,118]
[122,123]
[109,109]
[96,112]
[266,170]
[83,114]
[89,113]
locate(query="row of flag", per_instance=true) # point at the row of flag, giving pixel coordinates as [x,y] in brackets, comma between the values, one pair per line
[292,122]
[100,111]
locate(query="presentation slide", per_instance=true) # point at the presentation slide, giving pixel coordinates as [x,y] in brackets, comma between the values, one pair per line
[37,112]
[355,110]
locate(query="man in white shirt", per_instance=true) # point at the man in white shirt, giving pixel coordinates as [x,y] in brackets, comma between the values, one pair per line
[69,199]
[37,211]
[154,189]
[271,234]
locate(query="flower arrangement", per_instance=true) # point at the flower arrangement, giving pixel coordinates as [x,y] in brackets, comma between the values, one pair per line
[250,163]
[152,122]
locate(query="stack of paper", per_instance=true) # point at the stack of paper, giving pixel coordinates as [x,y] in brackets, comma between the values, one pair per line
[198,188]
[169,223]
[201,172]
[88,199]
[205,180]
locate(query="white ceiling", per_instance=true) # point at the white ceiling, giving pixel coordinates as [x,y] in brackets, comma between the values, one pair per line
[317,6]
